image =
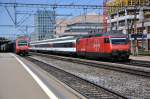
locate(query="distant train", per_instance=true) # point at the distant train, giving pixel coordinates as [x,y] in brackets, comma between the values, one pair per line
[22,45]
[7,47]
[106,46]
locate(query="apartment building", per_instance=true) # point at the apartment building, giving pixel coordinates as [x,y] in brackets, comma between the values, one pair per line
[131,16]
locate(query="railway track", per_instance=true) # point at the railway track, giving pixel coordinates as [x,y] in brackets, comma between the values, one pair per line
[84,87]
[134,67]
[137,63]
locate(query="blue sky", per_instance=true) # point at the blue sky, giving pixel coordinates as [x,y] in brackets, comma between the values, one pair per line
[12,32]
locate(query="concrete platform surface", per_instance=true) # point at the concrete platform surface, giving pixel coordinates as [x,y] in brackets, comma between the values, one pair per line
[16,82]
[143,58]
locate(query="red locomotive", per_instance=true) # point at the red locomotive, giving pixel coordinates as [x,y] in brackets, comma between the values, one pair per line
[108,46]
[21,45]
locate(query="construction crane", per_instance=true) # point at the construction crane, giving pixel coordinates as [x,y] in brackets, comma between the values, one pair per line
[105,15]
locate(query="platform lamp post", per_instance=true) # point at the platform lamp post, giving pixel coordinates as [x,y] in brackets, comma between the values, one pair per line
[144,42]
[136,49]
[141,19]
[134,42]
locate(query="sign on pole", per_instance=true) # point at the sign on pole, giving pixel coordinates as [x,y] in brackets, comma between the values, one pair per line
[148,36]
[145,32]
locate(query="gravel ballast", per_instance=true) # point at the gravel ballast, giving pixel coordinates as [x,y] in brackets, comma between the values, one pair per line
[131,86]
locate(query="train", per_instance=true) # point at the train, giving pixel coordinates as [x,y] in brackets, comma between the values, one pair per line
[22,45]
[19,46]
[7,47]
[114,46]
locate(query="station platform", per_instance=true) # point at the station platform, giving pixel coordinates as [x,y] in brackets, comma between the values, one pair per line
[142,58]
[20,79]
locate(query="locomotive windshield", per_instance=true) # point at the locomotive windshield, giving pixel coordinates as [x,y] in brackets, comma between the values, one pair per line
[119,40]
[22,43]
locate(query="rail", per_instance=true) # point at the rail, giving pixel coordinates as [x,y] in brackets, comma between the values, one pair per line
[121,67]
[84,87]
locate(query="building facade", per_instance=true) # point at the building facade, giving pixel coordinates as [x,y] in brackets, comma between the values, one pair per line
[131,16]
[81,25]
[44,25]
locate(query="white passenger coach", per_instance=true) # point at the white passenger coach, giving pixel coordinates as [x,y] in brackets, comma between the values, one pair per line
[62,44]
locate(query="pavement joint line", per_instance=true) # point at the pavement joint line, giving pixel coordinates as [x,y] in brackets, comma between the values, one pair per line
[50,94]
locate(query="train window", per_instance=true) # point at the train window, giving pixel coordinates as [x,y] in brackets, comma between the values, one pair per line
[43,45]
[106,40]
[22,43]
[68,44]
[119,40]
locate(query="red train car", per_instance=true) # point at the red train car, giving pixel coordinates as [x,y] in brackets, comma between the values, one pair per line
[106,46]
[21,45]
